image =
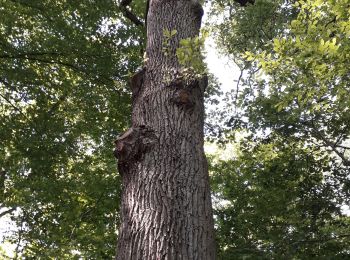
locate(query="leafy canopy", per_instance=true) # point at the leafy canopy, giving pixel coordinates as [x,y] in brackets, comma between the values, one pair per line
[63,100]
[286,185]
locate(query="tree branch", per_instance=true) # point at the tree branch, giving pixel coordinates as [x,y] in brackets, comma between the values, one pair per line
[41,10]
[12,105]
[321,240]
[57,104]
[7,212]
[15,107]
[330,144]
[28,54]
[128,14]
[68,65]
[237,88]
[245,2]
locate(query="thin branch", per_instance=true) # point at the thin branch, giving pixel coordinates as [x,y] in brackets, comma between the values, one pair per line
[41,10]
[128,14]
[68,65]
[322,240]
[50,111]
[330,144]
[84,214]
[327,143]
[343,146]
[57,104]
[27,55]
[245,2]
[20,232]
[132,17]
[7,212]
[16,108]
[31,55]
[12,105]
[237,87]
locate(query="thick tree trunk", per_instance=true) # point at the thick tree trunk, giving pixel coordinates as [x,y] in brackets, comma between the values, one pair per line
[166,206]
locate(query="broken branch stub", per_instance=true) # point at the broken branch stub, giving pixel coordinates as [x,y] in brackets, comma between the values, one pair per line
[133,144]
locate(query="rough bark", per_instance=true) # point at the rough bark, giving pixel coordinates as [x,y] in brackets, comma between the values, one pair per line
[166,206]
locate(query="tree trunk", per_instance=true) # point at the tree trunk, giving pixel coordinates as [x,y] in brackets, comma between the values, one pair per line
[166,206]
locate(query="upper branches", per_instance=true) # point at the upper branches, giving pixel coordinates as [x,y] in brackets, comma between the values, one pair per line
[245,2]
[124,7]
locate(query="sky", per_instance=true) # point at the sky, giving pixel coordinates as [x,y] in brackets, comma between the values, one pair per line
[221,66]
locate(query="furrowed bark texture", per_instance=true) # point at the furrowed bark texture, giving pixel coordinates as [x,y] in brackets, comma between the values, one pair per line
[166,206]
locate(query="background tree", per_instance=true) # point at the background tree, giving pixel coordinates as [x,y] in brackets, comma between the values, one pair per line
[287,184]
[63,72]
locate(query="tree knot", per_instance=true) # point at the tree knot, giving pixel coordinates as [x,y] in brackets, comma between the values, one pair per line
[185,93]
[132,145]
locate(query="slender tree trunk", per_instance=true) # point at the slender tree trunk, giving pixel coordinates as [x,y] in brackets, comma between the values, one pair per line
[166,206]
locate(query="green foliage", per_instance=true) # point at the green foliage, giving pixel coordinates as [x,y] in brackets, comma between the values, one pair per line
[63,72]
[308,74]
[63,100]
[278,204]
[189,55]
[285,188]
[168,35]
[249,28]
